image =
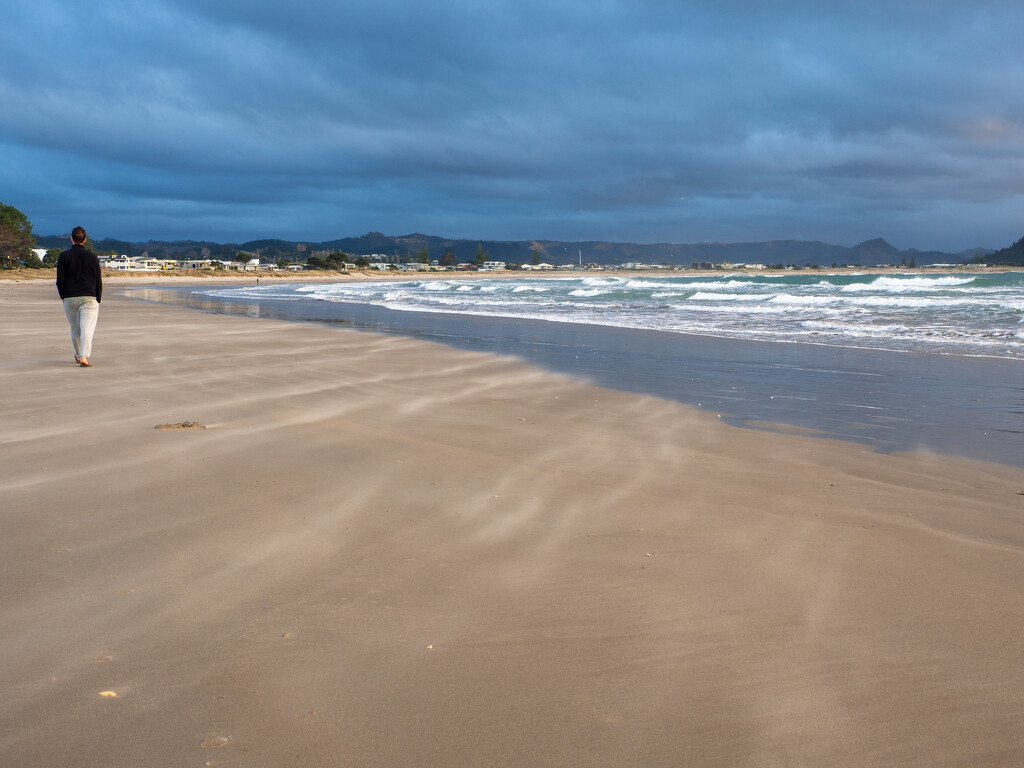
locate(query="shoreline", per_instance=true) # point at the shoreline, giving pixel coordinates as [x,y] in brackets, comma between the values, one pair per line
[383,551]
[43,275]
[890,400]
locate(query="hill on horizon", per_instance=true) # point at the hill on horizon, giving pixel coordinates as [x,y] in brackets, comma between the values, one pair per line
[799,253]
[1012,256]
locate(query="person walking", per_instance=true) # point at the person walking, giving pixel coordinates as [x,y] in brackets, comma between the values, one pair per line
[81,289]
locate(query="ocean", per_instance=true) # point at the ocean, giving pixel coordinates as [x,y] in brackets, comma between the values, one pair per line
[963,313]
[897,362]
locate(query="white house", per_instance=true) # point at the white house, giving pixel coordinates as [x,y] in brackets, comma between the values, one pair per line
[251,265]
[126,263]
[492,266]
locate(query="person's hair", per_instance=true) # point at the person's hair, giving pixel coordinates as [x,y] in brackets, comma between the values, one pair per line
[78,235]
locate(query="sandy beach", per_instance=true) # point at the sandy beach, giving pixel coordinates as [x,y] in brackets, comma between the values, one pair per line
[380,551]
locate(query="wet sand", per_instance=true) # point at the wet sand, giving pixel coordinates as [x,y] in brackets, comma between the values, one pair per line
[963,406]
[383,551]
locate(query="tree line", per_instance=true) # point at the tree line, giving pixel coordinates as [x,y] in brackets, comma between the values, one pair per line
[17,241]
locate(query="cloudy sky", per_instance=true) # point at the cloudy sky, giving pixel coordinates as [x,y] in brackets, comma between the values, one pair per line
[629,120]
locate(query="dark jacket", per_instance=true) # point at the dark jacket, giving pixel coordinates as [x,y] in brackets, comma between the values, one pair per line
[78,274]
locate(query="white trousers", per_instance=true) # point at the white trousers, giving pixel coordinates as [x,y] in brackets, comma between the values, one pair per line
[82,312]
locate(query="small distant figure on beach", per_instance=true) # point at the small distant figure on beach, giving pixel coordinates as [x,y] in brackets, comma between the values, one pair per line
[80,287]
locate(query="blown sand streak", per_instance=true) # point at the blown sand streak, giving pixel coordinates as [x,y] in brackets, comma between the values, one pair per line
[382,552]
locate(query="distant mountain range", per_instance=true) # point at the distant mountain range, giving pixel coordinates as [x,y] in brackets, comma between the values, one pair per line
[800,253]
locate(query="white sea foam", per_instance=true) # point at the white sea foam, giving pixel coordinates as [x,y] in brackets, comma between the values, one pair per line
[908,302]
[708,296]
[912,311]
[745,309]
[904,284]
[803,301]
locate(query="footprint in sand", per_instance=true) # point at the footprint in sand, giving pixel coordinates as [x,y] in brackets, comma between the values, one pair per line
[215,741]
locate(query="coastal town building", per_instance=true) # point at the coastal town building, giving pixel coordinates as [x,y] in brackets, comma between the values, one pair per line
[123,262]
[637,265]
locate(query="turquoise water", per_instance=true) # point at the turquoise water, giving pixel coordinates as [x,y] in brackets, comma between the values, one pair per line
[963,313]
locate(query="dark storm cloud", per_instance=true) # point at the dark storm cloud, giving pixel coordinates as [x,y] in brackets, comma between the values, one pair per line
[618,120]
